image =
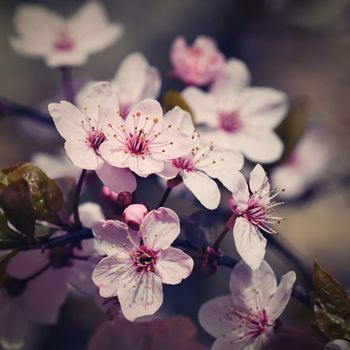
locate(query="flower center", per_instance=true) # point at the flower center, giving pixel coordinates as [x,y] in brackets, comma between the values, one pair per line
[253,324]
[137,144]
[144,259]
[64,42]
[95,139]
[260,211]
[184,163]
[230,122]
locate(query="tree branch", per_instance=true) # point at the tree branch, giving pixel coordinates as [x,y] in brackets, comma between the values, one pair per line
[19,110]
[298,292]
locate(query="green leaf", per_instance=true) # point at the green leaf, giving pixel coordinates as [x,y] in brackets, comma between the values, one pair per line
[331,305]
[16,202]
[46,195]
[293,126]
[172,99]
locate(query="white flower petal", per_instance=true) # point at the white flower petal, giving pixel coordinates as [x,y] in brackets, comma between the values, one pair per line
[239,189]
[140,294]
[66,58]
[82,155]
[174,265]
[281,297]
[180,120]
[203,187]
[97,37]
[136,80]
[109,273]
[338,344]
[29,21]
[213,318]
[252,288]
[250,243]
[171,145]
[203,105]
[258,180]
[89,213]
[234,77]
[221,164]
[145,113]
[100,104]
[263,147]
[113,153]
[169,171]
[159,228]
[67,119]
[117,179]
[263,107]
[115,238]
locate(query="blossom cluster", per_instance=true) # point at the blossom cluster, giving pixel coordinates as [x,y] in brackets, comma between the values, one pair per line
[119,131]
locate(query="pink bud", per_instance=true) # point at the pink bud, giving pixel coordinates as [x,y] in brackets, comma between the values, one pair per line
[121,199]
[108,194]
[198,64]
[125,199]
[133,215]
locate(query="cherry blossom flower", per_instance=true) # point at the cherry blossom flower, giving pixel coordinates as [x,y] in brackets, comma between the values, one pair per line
[63,42]
[245,319]
[145,139]
[37,283]
[338,344]
[198,64]
[255,213]
[169,334]
[306,167]
[201,164]
[83,131]
[238,116]
[134,81]
[137,263]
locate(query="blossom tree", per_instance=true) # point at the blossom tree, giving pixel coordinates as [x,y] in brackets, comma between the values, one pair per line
[124,247]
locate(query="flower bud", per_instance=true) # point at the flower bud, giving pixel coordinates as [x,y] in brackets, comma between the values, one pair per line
[121,199]
[133,215]
[124,199]
[198,64]
[108,194]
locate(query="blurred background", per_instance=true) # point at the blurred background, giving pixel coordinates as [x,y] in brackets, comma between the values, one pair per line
[301,47]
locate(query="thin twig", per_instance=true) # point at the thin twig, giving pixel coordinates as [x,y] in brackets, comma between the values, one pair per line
[220,238]
[14,108]
[298,292]
[164,197]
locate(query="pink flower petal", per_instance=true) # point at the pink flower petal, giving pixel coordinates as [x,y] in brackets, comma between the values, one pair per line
[245,283]
[250,243]
[174,265]
[117,179]
[159,228]
[140,294]
[115,238]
